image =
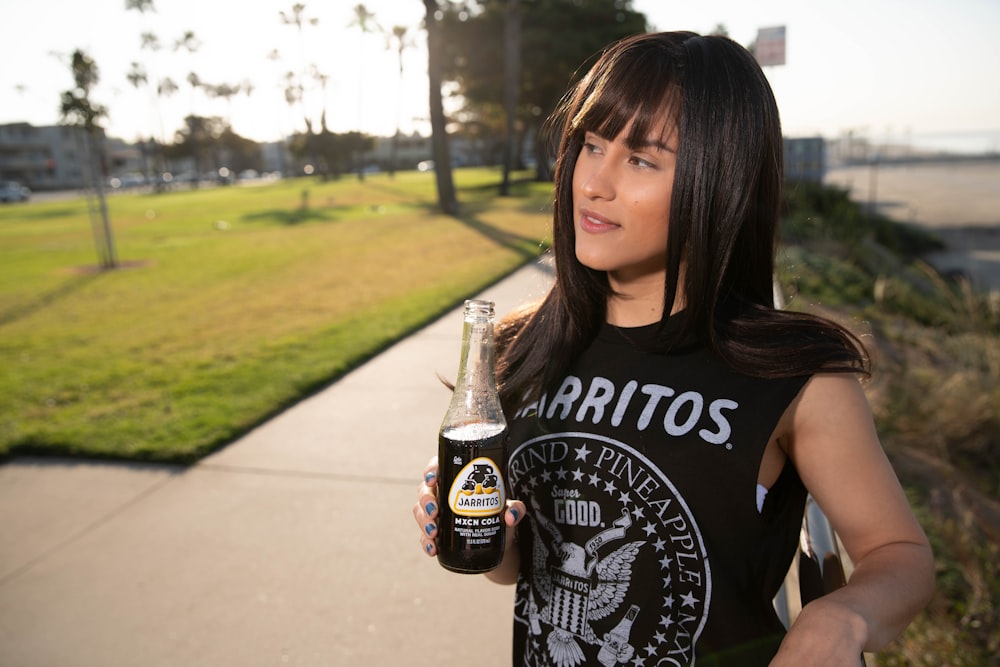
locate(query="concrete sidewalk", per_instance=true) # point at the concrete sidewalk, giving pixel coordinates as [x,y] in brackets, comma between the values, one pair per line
[292,546]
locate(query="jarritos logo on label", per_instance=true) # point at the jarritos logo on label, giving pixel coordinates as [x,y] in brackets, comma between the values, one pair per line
[478,489]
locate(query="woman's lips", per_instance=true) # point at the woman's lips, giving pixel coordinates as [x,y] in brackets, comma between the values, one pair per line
[593,223]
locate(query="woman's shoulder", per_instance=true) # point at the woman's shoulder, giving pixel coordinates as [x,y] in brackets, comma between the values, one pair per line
[827,404]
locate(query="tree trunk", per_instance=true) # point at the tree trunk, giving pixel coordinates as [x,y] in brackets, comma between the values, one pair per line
[447,200]
[100,221]
[512,80]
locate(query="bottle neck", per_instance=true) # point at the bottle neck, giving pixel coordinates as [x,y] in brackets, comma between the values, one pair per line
[477,367]
[475,399]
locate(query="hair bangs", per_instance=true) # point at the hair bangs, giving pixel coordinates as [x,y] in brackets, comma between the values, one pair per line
[634,91]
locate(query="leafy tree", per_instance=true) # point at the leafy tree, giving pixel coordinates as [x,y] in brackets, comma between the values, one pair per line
[559,40]
[209,142]
[197,140]
[332,154]
[77,108]
[240,153]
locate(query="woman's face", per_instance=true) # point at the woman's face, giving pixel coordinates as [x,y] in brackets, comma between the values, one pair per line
[621,202]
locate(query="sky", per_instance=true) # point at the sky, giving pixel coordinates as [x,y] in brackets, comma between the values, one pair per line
[896,71]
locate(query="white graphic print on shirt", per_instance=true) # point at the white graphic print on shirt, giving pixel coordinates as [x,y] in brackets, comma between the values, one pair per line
[599,511]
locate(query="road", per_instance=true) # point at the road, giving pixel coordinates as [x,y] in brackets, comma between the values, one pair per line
[959,201]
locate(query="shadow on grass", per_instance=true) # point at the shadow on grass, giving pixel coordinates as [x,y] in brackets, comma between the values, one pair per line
[36,213]
[295,216]
[528,247]
[37,302]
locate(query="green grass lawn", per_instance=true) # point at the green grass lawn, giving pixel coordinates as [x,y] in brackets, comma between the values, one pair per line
[231,303]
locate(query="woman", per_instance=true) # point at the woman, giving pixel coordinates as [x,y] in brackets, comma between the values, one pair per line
[667,422]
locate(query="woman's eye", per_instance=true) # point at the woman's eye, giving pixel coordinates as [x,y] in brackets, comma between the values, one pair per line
[640,162]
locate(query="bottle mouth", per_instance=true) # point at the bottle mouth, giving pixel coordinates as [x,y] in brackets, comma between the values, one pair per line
[478,308]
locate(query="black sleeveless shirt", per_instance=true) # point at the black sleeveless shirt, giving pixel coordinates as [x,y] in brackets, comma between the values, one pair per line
[643,544]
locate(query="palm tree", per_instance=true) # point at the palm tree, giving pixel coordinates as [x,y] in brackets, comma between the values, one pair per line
[447,201]
[142,6]
[195,82]
[297,18]
[189,42]
[275,57]
[76,108]
[365,21]
[225,91]
[138,77]
[141,75]
[150,42]
[399,40]
[167,87]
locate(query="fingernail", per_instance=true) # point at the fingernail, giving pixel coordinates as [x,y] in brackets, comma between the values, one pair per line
[429,477]
[429,548]
[429,528]
[513,513]
[429,508]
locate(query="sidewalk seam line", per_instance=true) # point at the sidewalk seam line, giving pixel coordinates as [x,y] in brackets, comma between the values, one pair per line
[270,472]
[86,530]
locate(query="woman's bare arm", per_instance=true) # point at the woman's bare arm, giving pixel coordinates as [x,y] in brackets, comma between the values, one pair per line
[830,436]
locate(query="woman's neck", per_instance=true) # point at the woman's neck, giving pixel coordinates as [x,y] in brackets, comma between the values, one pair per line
[636,303]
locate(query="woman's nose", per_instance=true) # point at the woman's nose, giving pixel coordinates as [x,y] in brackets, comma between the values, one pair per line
[598,183]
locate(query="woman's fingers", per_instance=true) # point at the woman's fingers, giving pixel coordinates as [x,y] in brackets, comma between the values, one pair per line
[515,512]
[425,510]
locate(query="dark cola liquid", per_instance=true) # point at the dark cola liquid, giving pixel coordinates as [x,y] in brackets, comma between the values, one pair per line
[471,497]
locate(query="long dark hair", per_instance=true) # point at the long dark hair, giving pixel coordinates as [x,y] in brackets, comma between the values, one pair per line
[725,208]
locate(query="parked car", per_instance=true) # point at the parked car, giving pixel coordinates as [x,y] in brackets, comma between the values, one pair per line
[13,191]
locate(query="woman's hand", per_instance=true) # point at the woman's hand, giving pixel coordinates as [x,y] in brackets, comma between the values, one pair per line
[425,510]
[825,634]
[425,513]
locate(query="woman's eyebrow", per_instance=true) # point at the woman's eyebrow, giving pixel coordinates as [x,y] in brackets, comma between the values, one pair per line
[657,144]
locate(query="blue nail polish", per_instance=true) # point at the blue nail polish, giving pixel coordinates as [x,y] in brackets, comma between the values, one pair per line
[513,513]
[429,548]
[429,508]
[429,528]
[429,477]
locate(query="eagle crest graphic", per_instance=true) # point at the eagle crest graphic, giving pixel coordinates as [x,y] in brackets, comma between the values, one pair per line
[579,587]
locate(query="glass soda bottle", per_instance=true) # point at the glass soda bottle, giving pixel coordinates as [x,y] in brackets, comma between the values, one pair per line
[471,462]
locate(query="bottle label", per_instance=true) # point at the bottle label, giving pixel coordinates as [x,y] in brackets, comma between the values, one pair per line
[478,489]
